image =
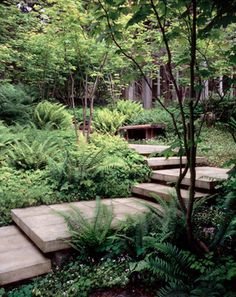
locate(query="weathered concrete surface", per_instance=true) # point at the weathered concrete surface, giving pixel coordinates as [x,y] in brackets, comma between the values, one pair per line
[145,149]
[149,190]
[19,258]
[47,229]
[166,192]
[162,162]
[206,177]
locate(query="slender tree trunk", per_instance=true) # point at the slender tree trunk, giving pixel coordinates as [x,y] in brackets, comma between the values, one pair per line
[73,106]
[147,94]
[85,104]
[92,96]
[191,126]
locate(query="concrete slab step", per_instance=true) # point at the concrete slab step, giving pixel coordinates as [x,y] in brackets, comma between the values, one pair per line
[149,190]
[145,149]
[19,258]
[206,177]
[162,162]
[47,229]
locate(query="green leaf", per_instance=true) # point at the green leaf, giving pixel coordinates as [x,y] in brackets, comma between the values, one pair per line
[140,15]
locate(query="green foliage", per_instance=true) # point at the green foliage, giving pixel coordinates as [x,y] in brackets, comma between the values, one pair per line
[207,221]
[49,115]
[229,190]
[108,121]
[212,145]
[79,172]
[77,280]
[15,104]
[186,275]
[172,264]
[129,109]
[106,167]
[2,292]
[22,189]
[223,108]
[32,154]
[154,116]
[139,235]
[114,183]
[169,220]
[89,236]
[130,237]
[6,138]
[232,127]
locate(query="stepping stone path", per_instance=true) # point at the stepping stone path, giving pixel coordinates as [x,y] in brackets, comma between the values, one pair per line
[47,229]
[206,177]
[171,162]
[145,150]
[19,258]
[150,190]
[41,230]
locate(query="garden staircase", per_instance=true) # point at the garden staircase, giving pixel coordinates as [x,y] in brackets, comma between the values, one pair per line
[165,173]
[26,248]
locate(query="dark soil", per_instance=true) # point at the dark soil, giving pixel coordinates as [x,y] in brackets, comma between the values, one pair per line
[128,292]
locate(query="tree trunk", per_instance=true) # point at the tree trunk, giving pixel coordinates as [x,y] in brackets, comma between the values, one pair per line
[147,94]
[73,106]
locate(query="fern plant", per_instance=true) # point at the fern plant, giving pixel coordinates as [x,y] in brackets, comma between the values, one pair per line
[32,154]
[232,128]
[108,121]
[15,104]
[90,236]
[169,220]
[6,136]
[129,109]
[80,167]
[153,116]
[49,115]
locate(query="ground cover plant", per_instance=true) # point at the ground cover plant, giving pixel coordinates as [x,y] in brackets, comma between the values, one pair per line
[44,166]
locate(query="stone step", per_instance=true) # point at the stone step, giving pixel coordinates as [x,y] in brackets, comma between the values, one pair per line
[149,190]
[206,177]
[47,229]
[162,162]
[19,258]
[145,149]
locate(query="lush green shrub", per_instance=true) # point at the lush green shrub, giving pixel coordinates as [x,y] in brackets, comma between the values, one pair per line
[223,109]
[77,173]
[108,121]
[117,182]
[6,138]
[32,154]
[51,116]
[129,109]
[15,104]
[78,113]
[106,167]
[154,116]
[22,189]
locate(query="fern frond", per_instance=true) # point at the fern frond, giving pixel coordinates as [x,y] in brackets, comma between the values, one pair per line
[173,290]
[89,235]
